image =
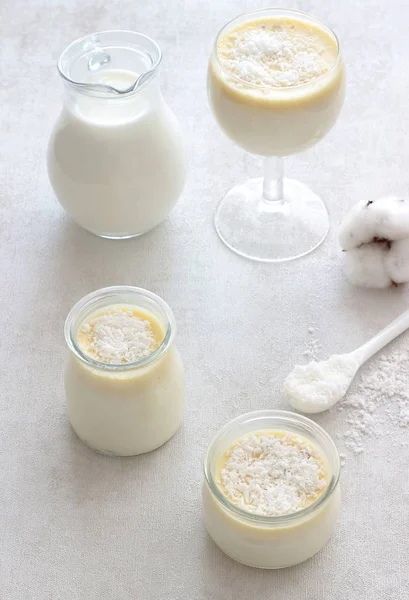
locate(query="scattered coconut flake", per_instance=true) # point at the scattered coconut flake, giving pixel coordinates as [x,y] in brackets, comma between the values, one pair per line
[379,406]
[314,346]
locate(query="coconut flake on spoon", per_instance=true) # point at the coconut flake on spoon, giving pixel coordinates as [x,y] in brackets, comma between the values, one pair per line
[318,386]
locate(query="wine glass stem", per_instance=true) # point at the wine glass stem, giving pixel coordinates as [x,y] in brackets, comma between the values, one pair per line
[273,180]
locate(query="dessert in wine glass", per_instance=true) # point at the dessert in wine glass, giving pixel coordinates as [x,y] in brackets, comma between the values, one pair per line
[276,85]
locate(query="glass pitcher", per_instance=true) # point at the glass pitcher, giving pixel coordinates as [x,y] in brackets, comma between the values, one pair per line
[116,158]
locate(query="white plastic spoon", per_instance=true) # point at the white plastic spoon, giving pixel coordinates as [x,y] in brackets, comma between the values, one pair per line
[318,386]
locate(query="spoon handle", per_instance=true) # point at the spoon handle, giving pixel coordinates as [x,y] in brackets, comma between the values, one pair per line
[381,339]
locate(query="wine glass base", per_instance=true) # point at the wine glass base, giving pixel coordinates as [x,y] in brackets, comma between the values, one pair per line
[272,231]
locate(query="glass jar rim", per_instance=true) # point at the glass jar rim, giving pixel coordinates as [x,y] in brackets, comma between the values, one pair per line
[92,299]
[284,11]
[142,80]
[278,520]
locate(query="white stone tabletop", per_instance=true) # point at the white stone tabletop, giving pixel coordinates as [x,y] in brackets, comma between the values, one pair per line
[76,525]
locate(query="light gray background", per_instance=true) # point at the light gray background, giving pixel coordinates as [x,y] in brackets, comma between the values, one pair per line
[76,525]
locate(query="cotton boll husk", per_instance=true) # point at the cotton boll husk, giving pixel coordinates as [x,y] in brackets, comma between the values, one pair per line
[357,227]
[397,261]
[365,266]
[390,217]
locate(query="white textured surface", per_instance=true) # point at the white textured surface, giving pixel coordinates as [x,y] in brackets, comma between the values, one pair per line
[76,525]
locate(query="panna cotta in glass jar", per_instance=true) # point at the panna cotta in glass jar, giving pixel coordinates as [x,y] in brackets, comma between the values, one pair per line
[116,157]
[124,378]
[271,494]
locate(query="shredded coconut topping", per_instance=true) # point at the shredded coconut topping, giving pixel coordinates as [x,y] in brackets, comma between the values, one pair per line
[117,335]
[273,473]
[276,52]
[319,385]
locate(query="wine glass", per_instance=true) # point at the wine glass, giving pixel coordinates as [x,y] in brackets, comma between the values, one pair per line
[276,85]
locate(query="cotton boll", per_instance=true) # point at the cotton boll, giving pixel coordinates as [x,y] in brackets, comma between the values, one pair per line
[397,261]
[385,218]
[375,236]
[390,217]
[357,227]
[365,266]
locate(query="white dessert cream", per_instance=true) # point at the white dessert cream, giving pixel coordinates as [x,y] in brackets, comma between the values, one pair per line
[121,399]
[276,83]
[275,513]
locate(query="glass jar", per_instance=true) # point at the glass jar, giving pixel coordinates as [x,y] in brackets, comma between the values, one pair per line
[116,158]
[264,541]
[124,409]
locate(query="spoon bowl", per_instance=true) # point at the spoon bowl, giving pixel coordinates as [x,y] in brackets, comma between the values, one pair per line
[318,386]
